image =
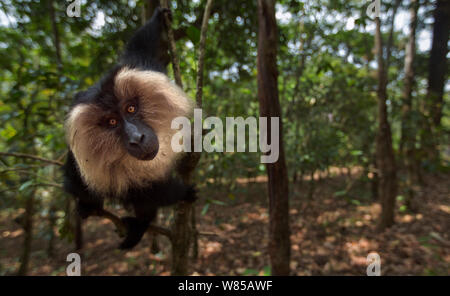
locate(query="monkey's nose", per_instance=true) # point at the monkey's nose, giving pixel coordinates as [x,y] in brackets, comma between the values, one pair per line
[136,139]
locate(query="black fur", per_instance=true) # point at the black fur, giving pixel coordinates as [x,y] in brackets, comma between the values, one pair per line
[144,51]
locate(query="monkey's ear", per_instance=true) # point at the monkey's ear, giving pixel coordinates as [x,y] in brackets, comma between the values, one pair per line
[148,48]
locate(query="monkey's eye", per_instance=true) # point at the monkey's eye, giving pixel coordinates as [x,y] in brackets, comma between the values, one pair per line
[112,122]
[131,109]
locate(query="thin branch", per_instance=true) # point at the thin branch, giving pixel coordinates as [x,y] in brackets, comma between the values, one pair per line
[56,39]
[172,46]
[60,159]
[47,184]
[34,157]
[206,233]
[16,188]
[12,170]
[27,172]
[121,229]
[391,35]
[201,50]
[195,158]
[160,230]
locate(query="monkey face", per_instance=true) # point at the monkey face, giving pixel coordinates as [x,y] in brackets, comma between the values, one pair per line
[120,132]
[138,138]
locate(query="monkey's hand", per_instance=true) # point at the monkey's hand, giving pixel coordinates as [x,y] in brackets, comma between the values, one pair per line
[191,194]
[135,231]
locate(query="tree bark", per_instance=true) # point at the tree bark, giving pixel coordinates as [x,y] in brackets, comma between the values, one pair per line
[269,106]
[387,186]
[181,239]
[28,238]
[51,226]
[183,231]
[201,51]
[56,39]
[391,34]
[408,133]
[410,52]
[198,100]
[437,75]
[172,47]
[78,233]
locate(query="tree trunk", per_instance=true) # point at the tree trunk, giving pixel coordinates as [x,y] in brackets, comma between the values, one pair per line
[182,232]
[408,133]
[391,34]
[437,74]
[387,188]
[181,228]
[374,183]
[56,39]
[78,232]
[28,238]
[181,239]
[147,11]
[269,106]
[312,186]
[51,229]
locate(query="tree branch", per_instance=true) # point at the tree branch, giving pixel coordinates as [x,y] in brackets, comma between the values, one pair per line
[34,157]
[56,39]
[201,50]
[121,229]
[391,35]
[172,46]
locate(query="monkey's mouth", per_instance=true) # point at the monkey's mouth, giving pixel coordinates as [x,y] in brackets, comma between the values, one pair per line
[149,156]
[145,155]
[144,151]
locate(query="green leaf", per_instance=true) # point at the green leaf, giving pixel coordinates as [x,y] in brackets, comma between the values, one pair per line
[205,209]
[25,185]
[193,34]
[340,193]
[218,202]
[356,152]
[355,202]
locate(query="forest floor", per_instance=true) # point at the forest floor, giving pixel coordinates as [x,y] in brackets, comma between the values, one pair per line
[332,233]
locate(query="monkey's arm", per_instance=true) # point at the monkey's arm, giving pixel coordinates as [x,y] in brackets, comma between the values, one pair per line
[163,193]
[172,191]
[146,202]
[87,203]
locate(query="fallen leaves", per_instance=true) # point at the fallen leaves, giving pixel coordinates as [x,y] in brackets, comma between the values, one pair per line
[329,236]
